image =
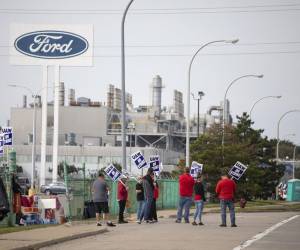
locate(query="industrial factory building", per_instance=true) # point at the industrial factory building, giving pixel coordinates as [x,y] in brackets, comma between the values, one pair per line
[90,131]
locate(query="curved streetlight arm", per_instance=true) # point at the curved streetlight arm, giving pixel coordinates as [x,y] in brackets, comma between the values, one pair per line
[22,87]
[265,97]
[224,103]
[203,46]
[34,95]
[286,113]
[235,80]
[278,126]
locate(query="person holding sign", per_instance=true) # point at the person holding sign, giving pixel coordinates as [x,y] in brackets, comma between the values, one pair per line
[199,201]
[148,187]
[100,199]
[122,198]
[225,190]
[186,186]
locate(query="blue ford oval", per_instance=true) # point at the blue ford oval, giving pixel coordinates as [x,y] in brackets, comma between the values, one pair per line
[51,44]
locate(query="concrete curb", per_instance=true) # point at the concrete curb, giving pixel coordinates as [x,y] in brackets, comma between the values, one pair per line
[60,240]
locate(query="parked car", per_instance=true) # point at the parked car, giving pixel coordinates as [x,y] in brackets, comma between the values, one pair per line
[54,188]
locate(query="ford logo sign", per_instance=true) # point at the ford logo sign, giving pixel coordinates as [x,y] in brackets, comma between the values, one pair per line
[50,44]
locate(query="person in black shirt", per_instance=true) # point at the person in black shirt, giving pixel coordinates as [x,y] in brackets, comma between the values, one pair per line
[199,200]
[140,199]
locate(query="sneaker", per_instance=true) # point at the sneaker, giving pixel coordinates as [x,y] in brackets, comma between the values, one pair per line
[98,224]
[233,225]
[177,221]
[200,224]
[139,222]
[110,224]
[223,225]
[187,222]
[194,223]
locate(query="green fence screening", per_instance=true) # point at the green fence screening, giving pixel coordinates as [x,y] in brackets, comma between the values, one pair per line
[168,195]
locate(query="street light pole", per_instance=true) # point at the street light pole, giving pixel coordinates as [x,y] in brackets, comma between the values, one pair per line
[131,127]
[200,95]
[33,141]
[278,126]
[187,159]
[265,97]
[224,104]
[123,85]
[294,156]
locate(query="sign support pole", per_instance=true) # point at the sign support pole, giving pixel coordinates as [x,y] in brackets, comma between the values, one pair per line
[44,124]
[56,122]
[33,153]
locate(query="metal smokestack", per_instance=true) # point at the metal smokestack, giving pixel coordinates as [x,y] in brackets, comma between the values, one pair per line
[156,94]
[71,96]
[61,94]
[24,101]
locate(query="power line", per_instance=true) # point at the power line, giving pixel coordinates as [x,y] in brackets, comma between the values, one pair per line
[184,45]
[155,9]
[189,55]
[158,12]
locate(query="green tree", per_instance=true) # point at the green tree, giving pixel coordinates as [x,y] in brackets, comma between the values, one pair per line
[70,169]
[244,144]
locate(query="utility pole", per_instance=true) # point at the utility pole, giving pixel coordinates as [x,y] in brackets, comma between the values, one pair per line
[200,95]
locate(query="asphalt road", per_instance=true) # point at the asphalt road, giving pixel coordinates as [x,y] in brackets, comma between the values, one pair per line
[168,235]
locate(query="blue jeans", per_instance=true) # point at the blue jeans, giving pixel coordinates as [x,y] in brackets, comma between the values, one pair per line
[147,208]
[184,202]
[224,204]
[140,210]
[199,208]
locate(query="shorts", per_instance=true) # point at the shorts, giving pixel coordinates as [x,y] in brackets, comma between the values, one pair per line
[101,207]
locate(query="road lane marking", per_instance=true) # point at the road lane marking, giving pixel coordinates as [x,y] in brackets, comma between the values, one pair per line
[263,234]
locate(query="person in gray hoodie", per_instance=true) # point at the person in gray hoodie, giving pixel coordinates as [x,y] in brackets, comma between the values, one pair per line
[148,194]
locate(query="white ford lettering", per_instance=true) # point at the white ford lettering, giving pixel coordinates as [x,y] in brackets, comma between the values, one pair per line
[43,43]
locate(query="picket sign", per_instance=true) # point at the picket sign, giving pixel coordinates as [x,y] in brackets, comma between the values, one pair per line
[7,133]
[112,172]
[139,160]
[196,168]
[237,171]
[1,145]
[154,163]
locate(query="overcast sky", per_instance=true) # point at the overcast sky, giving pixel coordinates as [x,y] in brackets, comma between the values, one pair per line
[162,36]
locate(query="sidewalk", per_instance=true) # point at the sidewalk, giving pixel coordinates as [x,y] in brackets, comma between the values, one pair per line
[37,238]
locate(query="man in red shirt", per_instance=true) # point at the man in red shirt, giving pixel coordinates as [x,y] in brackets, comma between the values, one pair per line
[186,188]
[122,198]
[225,190]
